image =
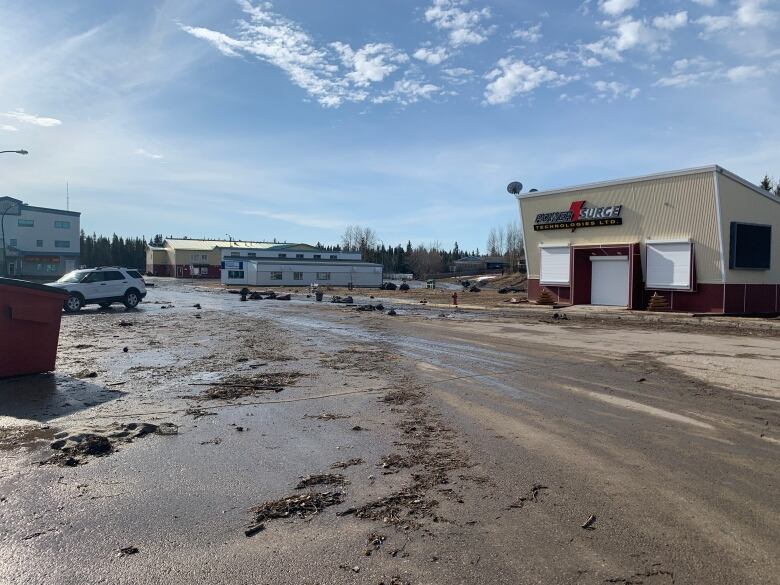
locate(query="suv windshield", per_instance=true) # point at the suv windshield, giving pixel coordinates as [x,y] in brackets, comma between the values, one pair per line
[74,276]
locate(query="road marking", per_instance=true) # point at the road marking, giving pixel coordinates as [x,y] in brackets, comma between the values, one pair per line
[639,407]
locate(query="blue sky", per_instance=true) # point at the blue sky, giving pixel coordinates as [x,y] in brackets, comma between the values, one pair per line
[292,119]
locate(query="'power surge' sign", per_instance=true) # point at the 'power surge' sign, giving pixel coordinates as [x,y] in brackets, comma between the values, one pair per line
[579,216]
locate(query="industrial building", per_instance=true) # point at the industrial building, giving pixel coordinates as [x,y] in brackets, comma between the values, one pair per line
[37,241]
[704,239]
[264,263]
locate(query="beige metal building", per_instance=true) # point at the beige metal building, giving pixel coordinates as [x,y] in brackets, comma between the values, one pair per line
[704,238]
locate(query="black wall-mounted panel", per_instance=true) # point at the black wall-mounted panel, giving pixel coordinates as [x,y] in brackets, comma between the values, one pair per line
[750,246]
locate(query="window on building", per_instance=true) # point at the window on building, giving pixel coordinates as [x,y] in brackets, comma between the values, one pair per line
[333,256]
[750,246]
[62,243]
[51,268]
[299,255]
[12,242]
[669,265]
[252,254]
[39,243]
[232,253]
[63,225]
[276,276]
[26,222]
[297,275]
[236,274]
[317,256]
[554,265]
[282,255]
[323,276]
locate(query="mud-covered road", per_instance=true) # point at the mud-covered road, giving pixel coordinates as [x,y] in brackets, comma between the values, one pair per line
[430,447]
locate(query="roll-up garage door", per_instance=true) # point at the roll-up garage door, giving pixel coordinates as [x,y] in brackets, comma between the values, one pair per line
[554,265]
[609,281]
[669,265]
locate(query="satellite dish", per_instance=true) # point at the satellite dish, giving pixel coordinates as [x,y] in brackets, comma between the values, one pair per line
[533,190]
[514,187]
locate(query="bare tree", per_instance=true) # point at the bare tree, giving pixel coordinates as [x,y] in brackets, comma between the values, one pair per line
[513,243]
[426,261]
[492,244]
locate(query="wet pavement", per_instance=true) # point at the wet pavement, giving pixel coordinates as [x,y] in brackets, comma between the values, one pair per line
[484,450]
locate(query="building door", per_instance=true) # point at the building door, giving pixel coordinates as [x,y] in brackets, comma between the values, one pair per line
[11,268]
[609,281]
[69,265]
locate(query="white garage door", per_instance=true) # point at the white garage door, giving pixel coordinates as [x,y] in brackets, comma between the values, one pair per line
[609,281]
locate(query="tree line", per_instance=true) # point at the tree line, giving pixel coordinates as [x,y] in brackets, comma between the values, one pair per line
[114,251]
[771,185]
[426,259]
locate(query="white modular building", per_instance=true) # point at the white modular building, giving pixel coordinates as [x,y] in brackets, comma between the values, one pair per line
[260,268]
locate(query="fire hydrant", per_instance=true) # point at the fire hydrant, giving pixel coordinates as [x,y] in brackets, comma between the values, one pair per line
[455,299]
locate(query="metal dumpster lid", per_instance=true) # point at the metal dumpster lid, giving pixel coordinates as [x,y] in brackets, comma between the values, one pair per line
[32,285]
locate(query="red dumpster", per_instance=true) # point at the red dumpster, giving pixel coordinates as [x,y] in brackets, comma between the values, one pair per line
[30,316]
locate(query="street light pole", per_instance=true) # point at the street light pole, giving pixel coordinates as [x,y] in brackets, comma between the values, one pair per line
[2,231]
[7,209]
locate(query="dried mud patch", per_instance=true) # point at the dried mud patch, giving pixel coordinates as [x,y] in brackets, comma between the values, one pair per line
[363,359]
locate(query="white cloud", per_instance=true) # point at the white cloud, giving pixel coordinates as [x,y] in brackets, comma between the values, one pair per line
[8,128]
[457,75]
[628,34]
[432,56]
[707,3]
[223,43]
[371,63]
[463,26]
[145,153]
[752,13]
[25,118]
[713,24]
[512,77]
[671,21]
[408,91]
[744,72]
[305,220]
[617,7]
[332,74]
[529,35]
[612,90]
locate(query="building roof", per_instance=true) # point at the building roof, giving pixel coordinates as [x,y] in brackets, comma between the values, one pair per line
[208,245]
[24,205]
[308,261]
[653,177]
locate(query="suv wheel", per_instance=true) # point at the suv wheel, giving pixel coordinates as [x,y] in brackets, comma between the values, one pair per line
[132,298]
[73,303]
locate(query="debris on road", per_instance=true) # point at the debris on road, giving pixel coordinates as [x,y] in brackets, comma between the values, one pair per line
[235,387]
[326,416]
[321,479]
[347,463]
[589,523]
[392,313]
[127,551]
[167,429]
[342,300]
[404,286]
[532,496]
[399,509]
[301,506]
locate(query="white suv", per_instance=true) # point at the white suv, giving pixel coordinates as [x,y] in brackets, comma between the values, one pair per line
[102,286]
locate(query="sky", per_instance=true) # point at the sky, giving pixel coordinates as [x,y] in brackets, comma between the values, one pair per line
[295,118]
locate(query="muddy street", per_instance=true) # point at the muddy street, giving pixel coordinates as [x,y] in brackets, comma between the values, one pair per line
[201,439]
